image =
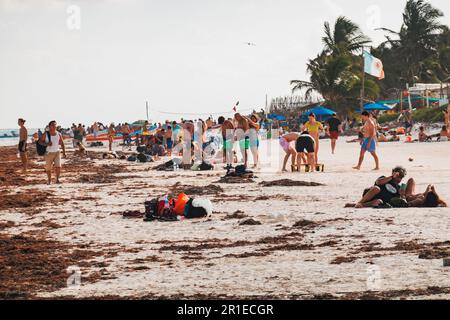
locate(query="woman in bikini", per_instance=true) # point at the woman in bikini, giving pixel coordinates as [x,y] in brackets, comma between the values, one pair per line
[314,128]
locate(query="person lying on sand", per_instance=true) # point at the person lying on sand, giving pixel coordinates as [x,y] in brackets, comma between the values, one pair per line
[359,139]
[428,199]
[393,138]
[384,190]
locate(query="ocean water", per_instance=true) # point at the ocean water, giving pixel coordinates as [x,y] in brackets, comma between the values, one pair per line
[10,141]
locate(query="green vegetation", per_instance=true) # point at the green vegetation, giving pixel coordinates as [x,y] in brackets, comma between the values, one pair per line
[418,52]
[431,115]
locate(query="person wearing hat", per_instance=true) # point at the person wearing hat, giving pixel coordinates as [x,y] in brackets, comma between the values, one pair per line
[23,137]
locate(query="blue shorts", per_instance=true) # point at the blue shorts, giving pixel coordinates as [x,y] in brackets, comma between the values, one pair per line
[365,145]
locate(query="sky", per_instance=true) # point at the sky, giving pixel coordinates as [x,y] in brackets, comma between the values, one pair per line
[101,60]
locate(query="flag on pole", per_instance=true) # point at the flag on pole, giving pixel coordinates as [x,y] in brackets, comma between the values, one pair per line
[373,66]
[235,106]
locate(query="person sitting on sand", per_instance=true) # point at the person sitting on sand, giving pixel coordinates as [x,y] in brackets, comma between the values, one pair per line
[305,145]
[423,137]
[443,135]
[428,199]
[384,190]
[287,143]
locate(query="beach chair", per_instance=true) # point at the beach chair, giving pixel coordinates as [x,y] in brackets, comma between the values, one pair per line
[298,168]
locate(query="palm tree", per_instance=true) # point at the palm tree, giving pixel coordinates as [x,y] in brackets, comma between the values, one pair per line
[336,79]
[345,38]
[417,41]
[336,72]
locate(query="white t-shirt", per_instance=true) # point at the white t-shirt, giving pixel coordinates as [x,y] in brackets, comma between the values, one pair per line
[55,142]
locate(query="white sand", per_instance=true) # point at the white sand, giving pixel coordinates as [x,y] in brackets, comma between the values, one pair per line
[280,273]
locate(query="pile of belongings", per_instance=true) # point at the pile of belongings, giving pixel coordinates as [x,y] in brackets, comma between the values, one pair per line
[141,157]
[240,171]
[167,208]
[176,163]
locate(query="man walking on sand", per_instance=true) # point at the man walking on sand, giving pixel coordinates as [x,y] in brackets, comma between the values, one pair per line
[369,142]
[334,127]
[23,137]
[53,155]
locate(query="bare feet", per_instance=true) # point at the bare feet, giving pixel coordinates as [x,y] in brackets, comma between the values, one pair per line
[357,168]
[376,169]
[350,205]
[359,206]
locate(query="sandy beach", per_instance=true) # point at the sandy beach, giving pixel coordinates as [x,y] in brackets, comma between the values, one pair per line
[301,244]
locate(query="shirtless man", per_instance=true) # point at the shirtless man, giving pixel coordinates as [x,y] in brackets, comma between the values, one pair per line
[126,131]
[369,142]
[242,132]
[227,129]
[23,144]
[287,143]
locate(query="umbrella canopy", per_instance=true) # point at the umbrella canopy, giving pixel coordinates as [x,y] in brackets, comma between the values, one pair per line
[277,117]
[321,111]
[376,106]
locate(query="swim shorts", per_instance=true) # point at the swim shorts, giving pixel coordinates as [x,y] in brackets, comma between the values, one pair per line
[334,135]
[365,145]
[22,146]
[245,143]
[169,143]
[228,144]
[304,143]
[284,144]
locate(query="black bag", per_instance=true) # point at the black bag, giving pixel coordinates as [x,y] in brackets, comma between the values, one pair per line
[140,149]
[142,157]
[41,149]
[151,207]
[204,166]
[132,159]
[191,212]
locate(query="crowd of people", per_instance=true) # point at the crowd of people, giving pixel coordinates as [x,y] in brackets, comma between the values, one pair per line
[174,137]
